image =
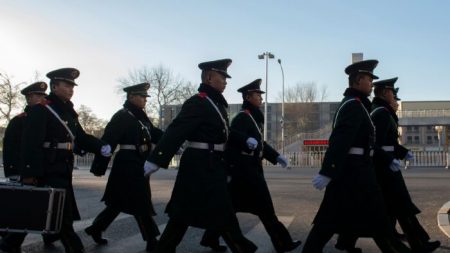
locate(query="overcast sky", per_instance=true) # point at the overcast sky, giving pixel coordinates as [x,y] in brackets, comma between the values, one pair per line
[314,39]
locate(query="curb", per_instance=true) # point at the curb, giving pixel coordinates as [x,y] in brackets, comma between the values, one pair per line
[443,218]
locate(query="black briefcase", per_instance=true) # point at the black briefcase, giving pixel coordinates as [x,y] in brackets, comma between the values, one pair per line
[30,209]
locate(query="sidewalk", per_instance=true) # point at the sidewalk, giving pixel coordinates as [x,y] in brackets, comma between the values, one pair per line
[443,218]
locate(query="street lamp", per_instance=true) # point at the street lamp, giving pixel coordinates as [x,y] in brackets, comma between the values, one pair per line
[267,56]
[282,107]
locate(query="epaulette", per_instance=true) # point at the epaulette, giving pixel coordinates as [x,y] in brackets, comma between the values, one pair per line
[202,94]
[23,114]
[45,102]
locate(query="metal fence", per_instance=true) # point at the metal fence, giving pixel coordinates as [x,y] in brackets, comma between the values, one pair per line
[308,159]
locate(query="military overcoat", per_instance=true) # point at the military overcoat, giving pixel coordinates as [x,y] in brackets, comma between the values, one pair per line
[353,193]
[199,197]
[248,187]
[132,134]
[395,191]
[41,157]
[11,144]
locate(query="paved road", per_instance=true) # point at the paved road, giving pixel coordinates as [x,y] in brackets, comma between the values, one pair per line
[295,200]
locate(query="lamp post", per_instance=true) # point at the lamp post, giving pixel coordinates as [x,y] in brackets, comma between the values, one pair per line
[282,107]
[267,56]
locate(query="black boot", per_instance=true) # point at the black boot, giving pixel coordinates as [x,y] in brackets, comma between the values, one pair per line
[96,235]
[211,239]
[293,245]
[151,245]
[49,239]
[427,247]
[9,249]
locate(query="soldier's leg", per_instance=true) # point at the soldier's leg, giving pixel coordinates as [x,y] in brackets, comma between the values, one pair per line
[416,235]
[390,244]
[279,235]
[101,223]
[149,230]
[347,241]
[319,235]
[171,237]
[70,240]
[12,242]
[211,239]
[235,240]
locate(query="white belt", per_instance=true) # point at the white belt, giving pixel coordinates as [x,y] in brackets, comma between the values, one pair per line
[204,145]
[60,145]
[388,148]
[133,147]
[359,151]
[127,147]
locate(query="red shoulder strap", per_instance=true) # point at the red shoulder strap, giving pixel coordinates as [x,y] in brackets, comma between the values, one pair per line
[202,94]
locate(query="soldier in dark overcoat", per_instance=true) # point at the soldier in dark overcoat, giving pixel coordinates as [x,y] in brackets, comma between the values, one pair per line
[399,204]
[128,189]
[200,197]
[353,202]
[52,134]
[248,187]
[34,94]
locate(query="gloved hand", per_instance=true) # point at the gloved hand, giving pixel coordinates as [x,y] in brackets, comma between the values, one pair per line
[106,150]
[320,181]
[409,156]
[282,161]
[395,165]
[180,151]
[252,143]
[150,168]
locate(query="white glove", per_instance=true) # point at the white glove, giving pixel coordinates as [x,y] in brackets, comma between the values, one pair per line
[409,156]
[282,161]
[320,181]
[180,151]
[252,143]
[395,165]
[106,150]
[150,168]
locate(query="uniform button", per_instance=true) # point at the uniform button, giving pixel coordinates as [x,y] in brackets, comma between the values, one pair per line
[160,153]
[332,166]
[28,166]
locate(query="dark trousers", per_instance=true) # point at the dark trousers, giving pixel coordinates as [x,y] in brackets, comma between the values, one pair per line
[321,233]
[278,233]
[415,234]
[147,225]
[174,232]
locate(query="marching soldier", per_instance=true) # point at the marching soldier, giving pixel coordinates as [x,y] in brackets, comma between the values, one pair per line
[52,134]
[248,187]
[352,192]
[128,190]
[399,204]
[200,197]
[34,94]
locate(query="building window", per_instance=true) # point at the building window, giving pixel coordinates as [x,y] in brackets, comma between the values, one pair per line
[436,140]
[429,140]
[416,140]
[409,140]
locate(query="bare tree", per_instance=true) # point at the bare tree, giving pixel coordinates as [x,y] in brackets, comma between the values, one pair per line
[90,122]
[10,98]
[165,88]
[299,107]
